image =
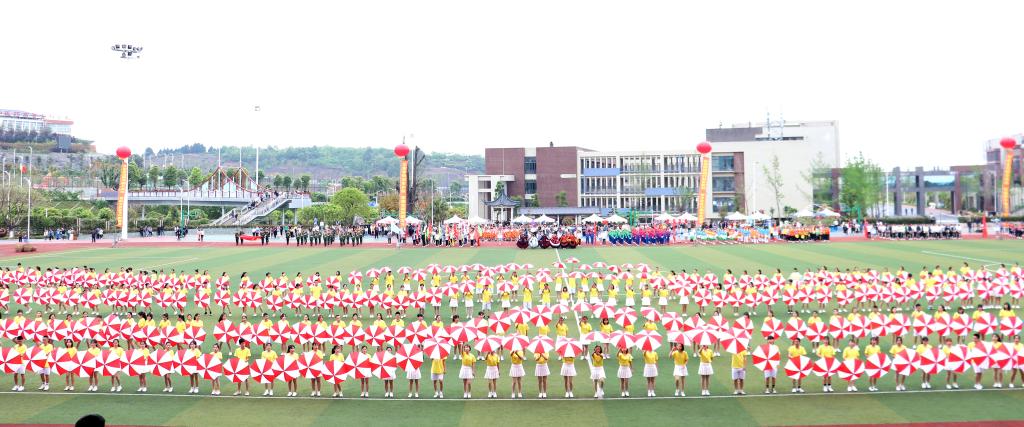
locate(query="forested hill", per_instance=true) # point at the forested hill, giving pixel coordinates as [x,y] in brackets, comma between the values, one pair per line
[320,162]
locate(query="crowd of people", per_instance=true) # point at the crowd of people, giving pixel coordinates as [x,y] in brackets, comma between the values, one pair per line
[916,232]
[520,316]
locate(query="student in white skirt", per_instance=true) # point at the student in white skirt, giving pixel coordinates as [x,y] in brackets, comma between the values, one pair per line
[516,372]
[467,372]
[705,370]
[650,370]
[468,303]
[645,296]
[453,303]
[679,371]
[414,375]
[568,373]
[541,371]
[19,372]
[491,373]
[597,371]
[625,371]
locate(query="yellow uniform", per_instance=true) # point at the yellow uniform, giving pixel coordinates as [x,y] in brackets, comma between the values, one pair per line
[851,353]
[739,360]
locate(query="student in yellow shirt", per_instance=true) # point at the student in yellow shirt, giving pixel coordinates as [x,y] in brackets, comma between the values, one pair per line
[243,353]
[269,355]
[870,350]
[215,383]
[650,370]
[795,351]
[94,349]
[606,329]
[44,375]
[706,355]
[568,373]
[115,379]
[1014,367]
[337,356]
[561,329]
[922,349]
[541,371]
[69,378]
[516,372]
[770,375]
[193,379]
[437,369]
[679,359]
[491,373]
[467,372]
[19,373]
[826,351]
[898,348]
[739,372]
[597,371]
[625,371]
[851,352]
[585,329]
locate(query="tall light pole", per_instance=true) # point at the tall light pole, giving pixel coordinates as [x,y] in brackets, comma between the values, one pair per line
[28,228]
[122,191]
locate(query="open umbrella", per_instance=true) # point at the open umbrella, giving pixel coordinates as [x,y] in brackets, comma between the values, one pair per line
[850,370]
[409,357]
[383,365]
[648,340]
[958,359]
[568,347]
[826,366]
[263,371]
[137,362]
[488,344]
[932,361]
[541,344]
[163,362]
[61,362]
[732,343]
[209,367]
[357,366]
[798,368]
[108,363]
[766,357]
[905,362]
[877,365]
[287,367]
[235,370]
[186,361]
[436,349]
[310,364]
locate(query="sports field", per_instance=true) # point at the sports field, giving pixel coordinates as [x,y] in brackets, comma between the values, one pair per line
[887,406]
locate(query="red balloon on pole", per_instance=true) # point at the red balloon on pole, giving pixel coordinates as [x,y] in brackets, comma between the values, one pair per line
[124,152]
[401,150]
[704,147]
[1008,143]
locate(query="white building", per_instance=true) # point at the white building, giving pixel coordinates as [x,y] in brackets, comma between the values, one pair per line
[14,120]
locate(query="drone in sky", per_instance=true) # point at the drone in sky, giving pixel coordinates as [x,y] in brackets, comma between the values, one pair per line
[128,51]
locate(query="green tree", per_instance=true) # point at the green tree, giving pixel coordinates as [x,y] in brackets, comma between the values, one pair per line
[561,199]
[170,176]
[304,180]
[195,177]
[286,182]
[818,178]
[499,188]
[353,202]
[455,189]
[318,197]
[154,175]
[135,175]
[105,214]
[278,181]
[773,174]
[861,184]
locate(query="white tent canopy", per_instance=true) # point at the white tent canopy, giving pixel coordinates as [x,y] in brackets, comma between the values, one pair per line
[759,216]
[592,218]
[522,219]
[664,217]
[804,214]
[828,213]
[616,219]
[544,219]
[477,221]
[736,216]
[387,220]
[686,216]
[413,220]
[454,220]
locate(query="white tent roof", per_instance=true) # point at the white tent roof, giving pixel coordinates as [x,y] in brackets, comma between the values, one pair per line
[736,216]
[412,220]
[615,219]
[544,219]
[454,220]
[687,217]
[759,216]
[803,214]
[522,219]
[477,220]
[664,217]
[592,218]
[826,212]
[387,220]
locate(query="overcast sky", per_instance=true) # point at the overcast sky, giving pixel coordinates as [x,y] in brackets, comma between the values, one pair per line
[911,83]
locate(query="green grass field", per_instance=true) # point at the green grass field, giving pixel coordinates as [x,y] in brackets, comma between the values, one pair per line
[157,408]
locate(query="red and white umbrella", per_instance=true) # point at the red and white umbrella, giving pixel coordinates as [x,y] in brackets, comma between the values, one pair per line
[1010,326]
[515,342]
[85,364]
[795,328]
[35,359]
[310,364]
[672,321]
[61,362]
[958,359]
[568,347]
[772,327]
[850,370]
[332,371]
[287,367]
[541,344]
[931,361]
[816,331]
[263,371]
[488,344]
[603,311]
[209,366]
[436,349]
[108,363]
[703,337]
[905,362]
[225,331]
[1002,356]
[733,344]
[137,362]
[186,361]
[985,323]
[384,365]
[621,339]
[463,332]
[235,370]
[10,360]
[648,340]
[826,366]
[417,332]
[357,366]
[766,357]
[163,362]
[651,313]
[409,357]
[877,365]
[799,367]
[194,334]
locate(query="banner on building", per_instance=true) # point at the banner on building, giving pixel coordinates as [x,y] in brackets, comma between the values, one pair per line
[702,188]
[1007,180]
[122,193]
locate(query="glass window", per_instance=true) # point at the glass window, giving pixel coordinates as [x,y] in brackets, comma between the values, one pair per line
[723,183]
[531,186]
[722,163]
[726,203]
[529,165]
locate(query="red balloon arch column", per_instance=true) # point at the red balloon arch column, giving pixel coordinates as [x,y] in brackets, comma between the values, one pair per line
[402,151]
[122,191]
[704,148]
[1008,145]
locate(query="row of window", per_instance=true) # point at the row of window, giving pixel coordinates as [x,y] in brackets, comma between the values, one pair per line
[638,184]
[654,204]
[656,164]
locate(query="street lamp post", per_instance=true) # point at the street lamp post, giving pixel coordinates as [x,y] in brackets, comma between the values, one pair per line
[28,227]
